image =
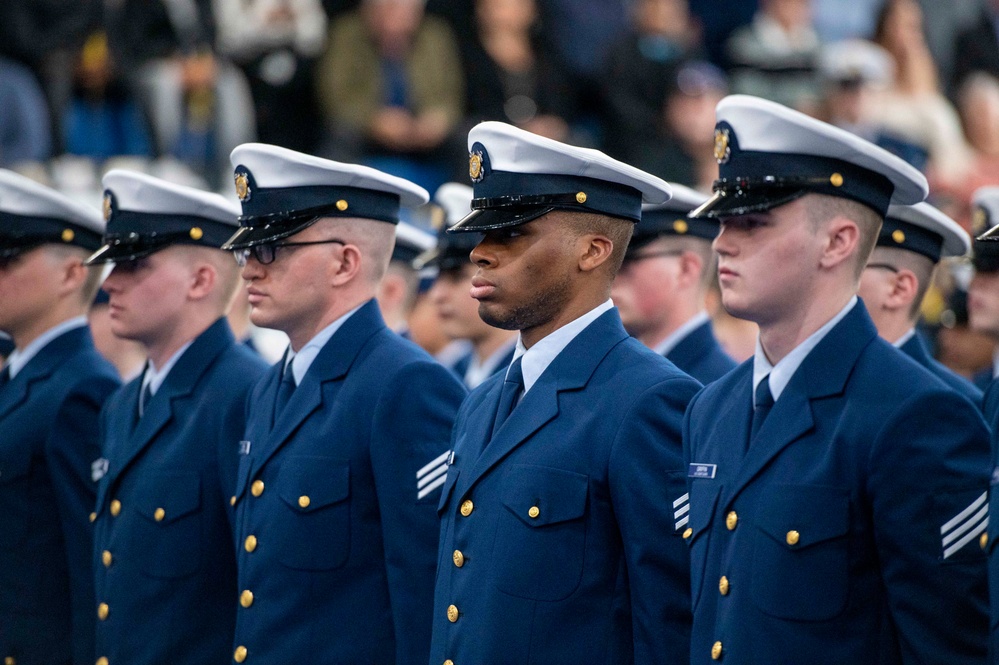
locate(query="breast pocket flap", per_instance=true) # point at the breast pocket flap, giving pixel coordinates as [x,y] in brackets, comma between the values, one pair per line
[309,487]
[540,496]
[800,517]
[169,497]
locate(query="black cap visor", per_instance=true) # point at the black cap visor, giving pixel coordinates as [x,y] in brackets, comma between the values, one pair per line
[733,200]
[490,219]
[131,247]
[269,229]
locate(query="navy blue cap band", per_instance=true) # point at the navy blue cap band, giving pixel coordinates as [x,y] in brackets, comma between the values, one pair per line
[556,191]
[985,255]
[22,230]
[663,222]
[904,235]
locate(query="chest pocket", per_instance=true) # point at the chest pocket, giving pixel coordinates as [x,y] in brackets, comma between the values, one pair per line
[312,529]
[541,533]
[800,556]
[169,525]
[703,497]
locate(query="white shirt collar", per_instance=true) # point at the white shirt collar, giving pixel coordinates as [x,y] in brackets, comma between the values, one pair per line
[681,333]
[302,361]
[540,356]
[478,372]
[20,357]
[995,365]
[900,342]
[154,378]
[781,373]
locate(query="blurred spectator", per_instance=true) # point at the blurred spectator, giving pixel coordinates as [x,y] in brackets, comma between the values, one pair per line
[855,73]
[45,35]
[511,76]
[775,56]
[913,106]
[24,117]
[976,47]
[199,104]
[839,20]
[640,67]
[101,119]
[391,87]
[276,43]
[718,20]
[683,149]
[942,23]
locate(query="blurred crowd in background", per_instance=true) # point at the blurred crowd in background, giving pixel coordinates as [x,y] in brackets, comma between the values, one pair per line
[171,86]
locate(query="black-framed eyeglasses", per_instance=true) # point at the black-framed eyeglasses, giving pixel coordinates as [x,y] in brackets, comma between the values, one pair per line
[882,266]
[266,254]
[635,258]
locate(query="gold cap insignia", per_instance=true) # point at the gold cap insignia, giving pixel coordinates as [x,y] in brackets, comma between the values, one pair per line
[898,236]
[196,233]
[341,205]
[979,221]
[107,207]
[836,179]
[475,166]
[680,226]
[722,149]
[68,235]
[242,187]
[580,197]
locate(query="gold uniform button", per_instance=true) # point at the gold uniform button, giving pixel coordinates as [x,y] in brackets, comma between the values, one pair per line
[836,179]
[716,651]
[246,598]
[580,197]
[467,507]
[723,586]
[115,508]
[239,655]
[102,661]
[304,501]
[106,558]
[257,488]
[341,205]
[687,533]
[458,558]
[250,543]
[452,613]
[159,514]
[533,512]
[448,662]
[984,540]
[93,517]
[9,660]
[102,611]
[793,537]
[731,520]
[232,500]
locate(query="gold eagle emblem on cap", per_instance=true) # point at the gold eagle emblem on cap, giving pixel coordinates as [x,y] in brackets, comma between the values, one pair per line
[722,149]
[242,187]
[979,221]
[107,207]
[475,166]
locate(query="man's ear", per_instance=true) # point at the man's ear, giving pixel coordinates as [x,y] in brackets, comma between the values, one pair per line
[348,267]
[596,250]
[842,239]
[905,286]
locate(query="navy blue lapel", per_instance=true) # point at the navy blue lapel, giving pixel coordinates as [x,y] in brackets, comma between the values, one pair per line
[179,383]
[332,364]
[693,347]
[571,370]
[916,350]
[40,367]
[823,373]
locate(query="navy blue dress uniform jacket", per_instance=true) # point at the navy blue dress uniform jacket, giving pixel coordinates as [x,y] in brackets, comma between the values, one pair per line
[699,355]
[163,559]
[915,349]
[335,505]
[849,531]
[559,537]
[48,443]
[991,410]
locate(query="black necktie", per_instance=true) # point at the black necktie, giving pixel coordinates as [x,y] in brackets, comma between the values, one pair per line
[763,401]
[144,397]
[285,389]
[512,387]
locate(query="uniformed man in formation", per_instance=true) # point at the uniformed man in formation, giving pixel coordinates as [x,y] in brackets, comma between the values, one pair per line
[346,444]
[492,348]
[661,288]
[564,496]
[164,565]
[51,391]
[911,242]
[838,490]
[827,501]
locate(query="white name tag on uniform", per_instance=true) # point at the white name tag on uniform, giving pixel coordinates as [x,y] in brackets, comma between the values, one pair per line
[706,471]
